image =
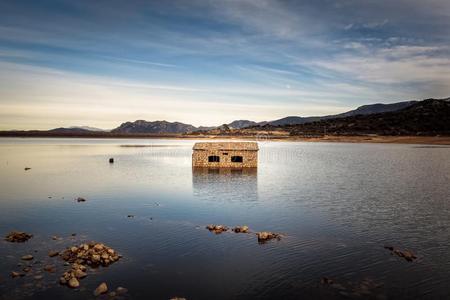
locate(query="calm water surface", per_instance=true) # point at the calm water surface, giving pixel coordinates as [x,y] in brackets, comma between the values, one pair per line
[337,205]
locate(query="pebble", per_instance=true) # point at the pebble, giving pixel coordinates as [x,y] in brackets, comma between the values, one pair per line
[50,268]
[53,253]
[80,274]
[15,274]
[121,290]
[73,283]
[101,289]
[27,257]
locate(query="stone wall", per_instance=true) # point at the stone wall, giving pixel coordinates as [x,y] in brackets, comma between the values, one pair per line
[200,158]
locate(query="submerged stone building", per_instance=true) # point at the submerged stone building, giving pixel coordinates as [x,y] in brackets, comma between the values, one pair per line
[225,155]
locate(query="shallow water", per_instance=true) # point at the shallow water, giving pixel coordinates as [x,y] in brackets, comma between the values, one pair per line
[336,204]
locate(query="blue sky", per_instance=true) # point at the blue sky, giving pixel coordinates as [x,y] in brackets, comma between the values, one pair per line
[100,63]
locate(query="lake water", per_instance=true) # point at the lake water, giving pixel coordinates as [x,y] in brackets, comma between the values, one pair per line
[336,205]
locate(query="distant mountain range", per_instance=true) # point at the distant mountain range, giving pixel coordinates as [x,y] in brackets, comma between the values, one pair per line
[427,117]
[165,127]
[141,126]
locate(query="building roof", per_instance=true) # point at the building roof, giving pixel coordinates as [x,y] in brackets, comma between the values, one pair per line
[239,146]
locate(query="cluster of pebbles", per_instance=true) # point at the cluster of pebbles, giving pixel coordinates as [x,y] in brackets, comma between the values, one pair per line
[18,237]
[93,254]
[79,258]
[263,236]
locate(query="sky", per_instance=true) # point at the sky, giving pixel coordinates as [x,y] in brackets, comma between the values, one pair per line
[100,63]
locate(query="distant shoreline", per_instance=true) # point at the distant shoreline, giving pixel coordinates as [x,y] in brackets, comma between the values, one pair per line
[430,140]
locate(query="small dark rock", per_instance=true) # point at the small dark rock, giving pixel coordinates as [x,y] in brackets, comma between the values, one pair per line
[111,160]
[27,168]
[130,216]
[81,199]
[15,274]
[326,280]
[50,268]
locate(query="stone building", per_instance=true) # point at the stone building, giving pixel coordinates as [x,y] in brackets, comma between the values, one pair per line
[225,155]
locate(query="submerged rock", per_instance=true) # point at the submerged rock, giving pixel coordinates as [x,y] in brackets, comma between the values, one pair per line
[27,257]
[18,237]
[217,228]
[264,236]
[15,274]
[406,254]
[241,229]
[50,268]
[121,290]
[326,280]
[101,289]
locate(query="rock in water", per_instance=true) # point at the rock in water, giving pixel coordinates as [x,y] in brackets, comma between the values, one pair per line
[80,274]
[53,253]
[50,268]
[121,290]
[81,199]
[16,274]
[18,237]
[217,228]
[73,283]
[27,257]
[101,289]
[242,229]
[265,236]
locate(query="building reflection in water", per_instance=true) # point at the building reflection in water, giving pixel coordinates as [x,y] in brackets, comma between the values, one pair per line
[225,184]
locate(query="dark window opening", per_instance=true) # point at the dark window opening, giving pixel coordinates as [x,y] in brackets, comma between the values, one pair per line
[213,158]
[236,159]
[225,153]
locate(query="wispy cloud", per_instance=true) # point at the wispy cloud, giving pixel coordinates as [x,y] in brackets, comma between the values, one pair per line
[203,61]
